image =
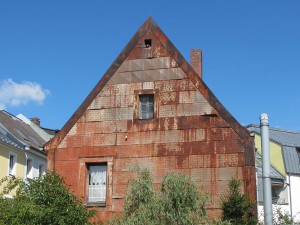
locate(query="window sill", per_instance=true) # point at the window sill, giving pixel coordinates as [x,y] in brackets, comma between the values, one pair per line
[12,175]
[95,204]
[141,121]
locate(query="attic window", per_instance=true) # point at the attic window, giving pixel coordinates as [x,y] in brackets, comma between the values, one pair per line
[147,43]
[146,106]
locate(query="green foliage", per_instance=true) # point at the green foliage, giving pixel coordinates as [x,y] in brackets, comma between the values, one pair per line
[236,207]
[280,217]
[178,202]
[181,200]
[44,200]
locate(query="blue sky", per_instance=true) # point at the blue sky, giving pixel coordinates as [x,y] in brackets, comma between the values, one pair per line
[52,53]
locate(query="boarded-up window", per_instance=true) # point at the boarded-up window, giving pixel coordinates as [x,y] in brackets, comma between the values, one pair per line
[97,183]
[146,106]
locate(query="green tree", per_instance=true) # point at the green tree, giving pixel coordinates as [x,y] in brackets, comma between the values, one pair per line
[237,207]
[45,200]
[178,202]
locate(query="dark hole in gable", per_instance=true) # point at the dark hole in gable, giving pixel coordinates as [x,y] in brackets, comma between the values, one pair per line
[147,43]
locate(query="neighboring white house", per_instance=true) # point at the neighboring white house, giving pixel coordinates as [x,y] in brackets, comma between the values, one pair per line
[285,170]
[22,154]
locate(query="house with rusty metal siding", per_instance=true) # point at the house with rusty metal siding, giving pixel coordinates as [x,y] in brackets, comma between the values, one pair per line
[285,170]
[153,110]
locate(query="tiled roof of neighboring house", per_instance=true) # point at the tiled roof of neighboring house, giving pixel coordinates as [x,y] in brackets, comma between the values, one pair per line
[20,131]
[290,142]
[43,132]
[284,137]
[291,158]
[52,132]
[6,140]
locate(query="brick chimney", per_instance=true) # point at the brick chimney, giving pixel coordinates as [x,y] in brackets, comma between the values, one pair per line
[196,61]
[36,121]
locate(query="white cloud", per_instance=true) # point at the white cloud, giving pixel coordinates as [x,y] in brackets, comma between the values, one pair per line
[15,94]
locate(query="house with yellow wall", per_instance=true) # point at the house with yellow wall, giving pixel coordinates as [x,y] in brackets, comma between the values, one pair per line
[11,157]
[21,148]
[285,169]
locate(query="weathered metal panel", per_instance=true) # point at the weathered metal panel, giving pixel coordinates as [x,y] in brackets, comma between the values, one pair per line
[120,89]
[167,136]
[146,76]
[145,64]
[148,85]
[191,97]
[104,127]
[110,114]
[116,101]
[184,110]
[175,85]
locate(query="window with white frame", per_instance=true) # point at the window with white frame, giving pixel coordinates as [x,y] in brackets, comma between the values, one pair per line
[12,165]
[96,192]
[29,169]
[41,170]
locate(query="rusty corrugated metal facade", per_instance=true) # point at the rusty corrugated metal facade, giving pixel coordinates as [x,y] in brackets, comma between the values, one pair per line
[191,132]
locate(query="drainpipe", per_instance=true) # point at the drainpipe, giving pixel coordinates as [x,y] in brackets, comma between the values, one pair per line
[266,169]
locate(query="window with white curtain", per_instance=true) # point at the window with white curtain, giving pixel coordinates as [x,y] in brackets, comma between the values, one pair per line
[97,183]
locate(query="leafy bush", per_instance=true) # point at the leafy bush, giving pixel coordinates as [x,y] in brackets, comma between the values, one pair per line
[44,200]
[178,202]
[280,217]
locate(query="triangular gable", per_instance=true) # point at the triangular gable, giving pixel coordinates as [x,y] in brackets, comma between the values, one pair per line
[181,62]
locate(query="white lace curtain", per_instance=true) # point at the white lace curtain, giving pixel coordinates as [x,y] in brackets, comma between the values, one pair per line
[97,183]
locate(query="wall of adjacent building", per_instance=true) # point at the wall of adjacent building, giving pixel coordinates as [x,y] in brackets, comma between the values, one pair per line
[37,159]
[276,155]
[295,187]
[4,162]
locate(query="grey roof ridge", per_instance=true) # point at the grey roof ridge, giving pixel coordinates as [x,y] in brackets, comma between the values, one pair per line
[11,115]
[275,129]
[282,144]
[11,134]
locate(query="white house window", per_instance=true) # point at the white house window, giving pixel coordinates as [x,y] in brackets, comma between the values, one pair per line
[146,106]
[29,168]
[12,164]
[97,183]
[41,170]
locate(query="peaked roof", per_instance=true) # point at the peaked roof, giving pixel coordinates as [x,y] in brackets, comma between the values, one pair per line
[17,133]
[183,64]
